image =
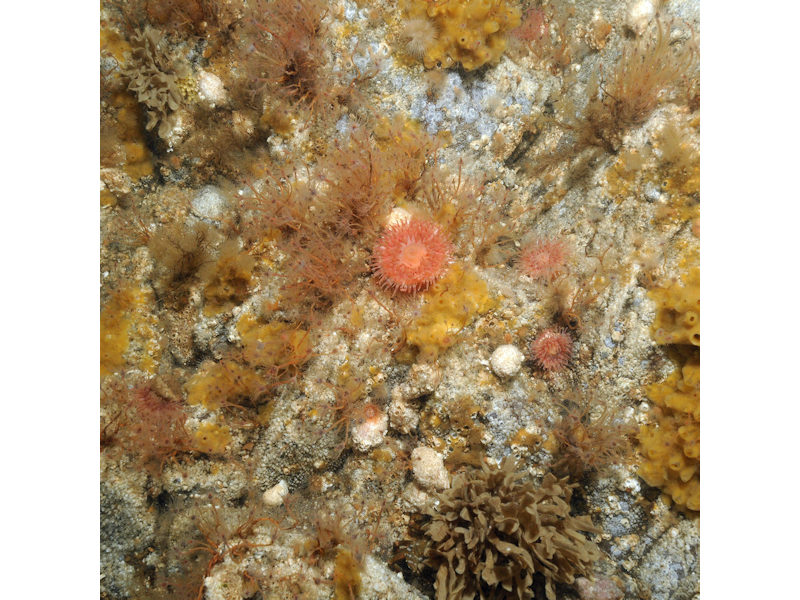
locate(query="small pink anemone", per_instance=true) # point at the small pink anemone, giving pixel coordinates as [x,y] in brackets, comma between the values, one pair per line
[552,349]
[544,258]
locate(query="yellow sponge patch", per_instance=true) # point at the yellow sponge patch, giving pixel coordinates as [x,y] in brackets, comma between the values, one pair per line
[278,346]
[450,305]
[470,32]
[226,382]
[128,328]
[211,438]
[346,575]
[671,446]
[678,316]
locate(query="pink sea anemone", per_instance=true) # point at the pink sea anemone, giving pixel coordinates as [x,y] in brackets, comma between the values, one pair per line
[552,349]
[544,258]
[411,255]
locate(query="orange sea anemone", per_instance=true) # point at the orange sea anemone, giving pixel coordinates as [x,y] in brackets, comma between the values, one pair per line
[411,255]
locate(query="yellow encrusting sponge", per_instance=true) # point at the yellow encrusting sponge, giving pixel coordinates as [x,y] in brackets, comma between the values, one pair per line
[450,305]
[678,316]
[671,446]
[470,32]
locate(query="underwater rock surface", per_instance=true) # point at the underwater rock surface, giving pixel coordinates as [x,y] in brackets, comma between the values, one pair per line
[278,423]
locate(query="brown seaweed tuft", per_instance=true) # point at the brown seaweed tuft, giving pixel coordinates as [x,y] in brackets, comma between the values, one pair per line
[288,53]
[648,69]
[492,532]
[154,78]
[590,437]
[147,421]
[179,253]
[198,17]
